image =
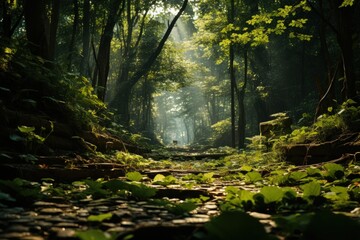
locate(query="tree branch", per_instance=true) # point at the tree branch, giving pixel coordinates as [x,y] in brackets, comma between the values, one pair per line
[143,70]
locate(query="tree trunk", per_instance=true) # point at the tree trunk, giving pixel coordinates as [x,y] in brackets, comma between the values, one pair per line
[37,26]
[345,42]
[73,34]
[103,57]
[261,67]
[326,102]
[122,104]
[241,97]
[55,13]
[232,77]
[84,69]
[6,23]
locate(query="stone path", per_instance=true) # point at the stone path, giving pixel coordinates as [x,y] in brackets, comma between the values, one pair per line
[57,218]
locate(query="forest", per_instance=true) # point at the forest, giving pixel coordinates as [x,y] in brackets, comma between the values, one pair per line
[179,119]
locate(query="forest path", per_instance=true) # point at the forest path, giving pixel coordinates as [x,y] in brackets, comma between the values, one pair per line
[62,211]
[54,205]
[150,199]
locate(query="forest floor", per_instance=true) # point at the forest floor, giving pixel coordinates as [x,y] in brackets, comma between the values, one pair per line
[126,196]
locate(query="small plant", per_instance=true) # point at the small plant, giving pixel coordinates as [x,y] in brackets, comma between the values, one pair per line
[201,177]
[21,190]
[178,209]
[95,234]
[253,177]
[31,139]
[134,176]
[160,179]
[100,217]
[234,225]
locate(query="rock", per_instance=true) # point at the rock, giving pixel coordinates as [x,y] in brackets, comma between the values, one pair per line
[127,223]
[61,233]
[280,125]
[51,211]
[14,235]
[18,228]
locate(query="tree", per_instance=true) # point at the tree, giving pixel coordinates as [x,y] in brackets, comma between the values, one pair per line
[102,65]
[338,16]
[37,28]
[73,34]
[84,69]
[231,19]
[126,83]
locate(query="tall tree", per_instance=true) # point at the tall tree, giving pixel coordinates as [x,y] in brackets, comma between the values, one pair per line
[125,85]
[103,56]
[232,74]
[37,28]
[84,65]
[6,19]
[55,14]
[73,33]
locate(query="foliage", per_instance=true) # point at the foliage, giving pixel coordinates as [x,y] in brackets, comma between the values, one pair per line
[257,143]
[259,27]
[327,126]
[19,191]
[221,132]
[325,187]
[134,176]
[95,234]
[181,208]
[232,225]
[347,3]
[160,179]
[131,160]
[252,177]
[318,225]
[85,109]
[100,217]
[31,139]
[200,178]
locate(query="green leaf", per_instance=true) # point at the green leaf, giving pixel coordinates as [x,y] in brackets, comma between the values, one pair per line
[313,171]
[26,129]
[116,185]
[235,225]
[338,193]
[6,197]
[207,177]
[347,3]
[159,178]
[333,170]
[17,138]
[95,234]
[272,194]
[252,177]
[327,225]
[246,168]
[100,217]
[182,208]
[297,176]
[294,223]
[29,158]
[134,176]
[142,192]
[311,189]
